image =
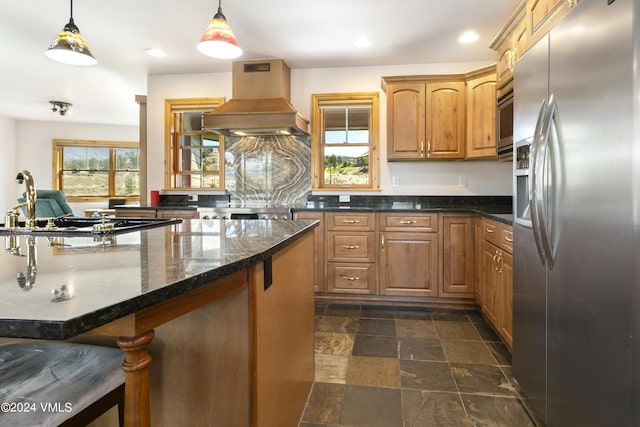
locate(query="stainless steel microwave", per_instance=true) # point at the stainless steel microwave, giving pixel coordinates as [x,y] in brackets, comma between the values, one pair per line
[504,126]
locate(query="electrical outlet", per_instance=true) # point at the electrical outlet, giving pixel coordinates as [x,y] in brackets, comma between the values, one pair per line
[462,180]
[395,181]
[344,198]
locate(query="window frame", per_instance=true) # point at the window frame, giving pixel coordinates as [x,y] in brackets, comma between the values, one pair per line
[352,99]
[58,166]
[181,105]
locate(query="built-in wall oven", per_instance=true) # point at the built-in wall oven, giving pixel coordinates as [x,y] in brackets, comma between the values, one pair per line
[504,124]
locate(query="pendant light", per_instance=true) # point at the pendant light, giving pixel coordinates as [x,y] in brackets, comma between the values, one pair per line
[218,40]
[69,47]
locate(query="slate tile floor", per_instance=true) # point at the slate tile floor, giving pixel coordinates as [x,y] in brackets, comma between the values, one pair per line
[382,366]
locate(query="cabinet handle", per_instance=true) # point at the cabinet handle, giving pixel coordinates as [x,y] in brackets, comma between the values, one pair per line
[495,260]
[382,241]
[407,222]
[351,279]
[508,239]
[500,263]
[422,148]
[571,3]
[350,221]
[489,230]
[350,247]
[428,148]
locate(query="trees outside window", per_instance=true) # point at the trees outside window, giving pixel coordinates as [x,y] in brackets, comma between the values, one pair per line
[345,141]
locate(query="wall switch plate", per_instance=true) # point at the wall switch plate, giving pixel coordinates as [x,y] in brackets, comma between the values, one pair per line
[395,181]
[462,180]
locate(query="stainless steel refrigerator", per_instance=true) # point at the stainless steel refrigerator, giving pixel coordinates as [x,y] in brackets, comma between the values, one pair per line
[576,307]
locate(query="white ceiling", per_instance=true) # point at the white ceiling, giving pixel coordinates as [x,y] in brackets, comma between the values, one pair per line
[306,34]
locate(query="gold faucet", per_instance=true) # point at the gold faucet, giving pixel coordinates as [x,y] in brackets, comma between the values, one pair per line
[30,194]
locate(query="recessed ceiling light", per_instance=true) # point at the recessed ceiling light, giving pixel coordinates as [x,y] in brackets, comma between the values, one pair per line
[468,37]
[156,53]
[362,42]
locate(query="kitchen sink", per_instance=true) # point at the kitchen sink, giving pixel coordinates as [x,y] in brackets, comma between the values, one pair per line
[77,226]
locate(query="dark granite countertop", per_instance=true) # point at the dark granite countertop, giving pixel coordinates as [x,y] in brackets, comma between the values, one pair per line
[115,276]
[497,208]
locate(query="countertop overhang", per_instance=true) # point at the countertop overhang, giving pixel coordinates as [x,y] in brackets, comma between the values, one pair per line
[106,279]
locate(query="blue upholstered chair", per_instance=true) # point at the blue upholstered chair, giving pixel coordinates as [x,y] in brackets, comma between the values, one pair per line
[49,204]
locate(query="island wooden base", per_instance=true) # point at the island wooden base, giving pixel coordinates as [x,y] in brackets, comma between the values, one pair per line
[241,357]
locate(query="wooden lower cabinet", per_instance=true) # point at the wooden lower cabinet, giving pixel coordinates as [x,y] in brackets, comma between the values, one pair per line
[351,278]
[318,254]
[409,264]
[458,275]
[477,240]
[506,326]
[177,213]
[490,283]
[157,213]
[351,253]
[135,213]
[496,280]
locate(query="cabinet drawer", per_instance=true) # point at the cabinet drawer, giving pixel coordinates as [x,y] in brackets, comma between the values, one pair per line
[351,278]
[491,232]
[409,222]
[350,247]
[351,221]
[507,239]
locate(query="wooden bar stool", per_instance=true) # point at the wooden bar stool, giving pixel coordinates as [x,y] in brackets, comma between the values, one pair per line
[52,384]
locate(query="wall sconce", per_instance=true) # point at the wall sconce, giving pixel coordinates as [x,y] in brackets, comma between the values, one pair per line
[60,107]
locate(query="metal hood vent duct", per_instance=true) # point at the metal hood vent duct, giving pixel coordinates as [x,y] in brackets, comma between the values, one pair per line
[260,103]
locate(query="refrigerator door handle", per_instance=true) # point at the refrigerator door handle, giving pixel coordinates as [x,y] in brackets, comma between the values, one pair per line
[533,180]
[548,180]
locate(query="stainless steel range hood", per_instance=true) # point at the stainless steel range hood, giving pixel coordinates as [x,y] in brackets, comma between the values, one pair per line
[260,103]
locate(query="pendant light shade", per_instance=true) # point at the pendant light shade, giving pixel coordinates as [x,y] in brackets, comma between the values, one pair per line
[69,47]
[218,40]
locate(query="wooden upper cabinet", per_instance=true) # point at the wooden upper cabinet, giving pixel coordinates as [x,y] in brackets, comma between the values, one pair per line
[445,120]
[510,44]
[542,15]
[531,20]
[481,115]
[425,120]
[406,121]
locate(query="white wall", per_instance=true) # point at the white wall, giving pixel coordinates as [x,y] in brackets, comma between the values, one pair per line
[8,162]
[416,178]
[33,150]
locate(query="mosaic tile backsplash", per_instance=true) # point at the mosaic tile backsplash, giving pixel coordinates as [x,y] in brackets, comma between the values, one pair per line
[269,169]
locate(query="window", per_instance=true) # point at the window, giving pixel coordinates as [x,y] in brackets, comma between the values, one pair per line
[194,155]
[345,141]
[96,170]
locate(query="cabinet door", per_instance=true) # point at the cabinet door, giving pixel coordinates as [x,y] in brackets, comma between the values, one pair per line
[457,252]
[490,283]
[481,117]
[177,213]
[409,264]
[135,213]
[505,269]
[478,261]
[542,15]
[406,121]
[445,120]
[318,253]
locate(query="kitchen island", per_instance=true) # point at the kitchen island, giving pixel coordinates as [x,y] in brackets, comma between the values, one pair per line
[224,308]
